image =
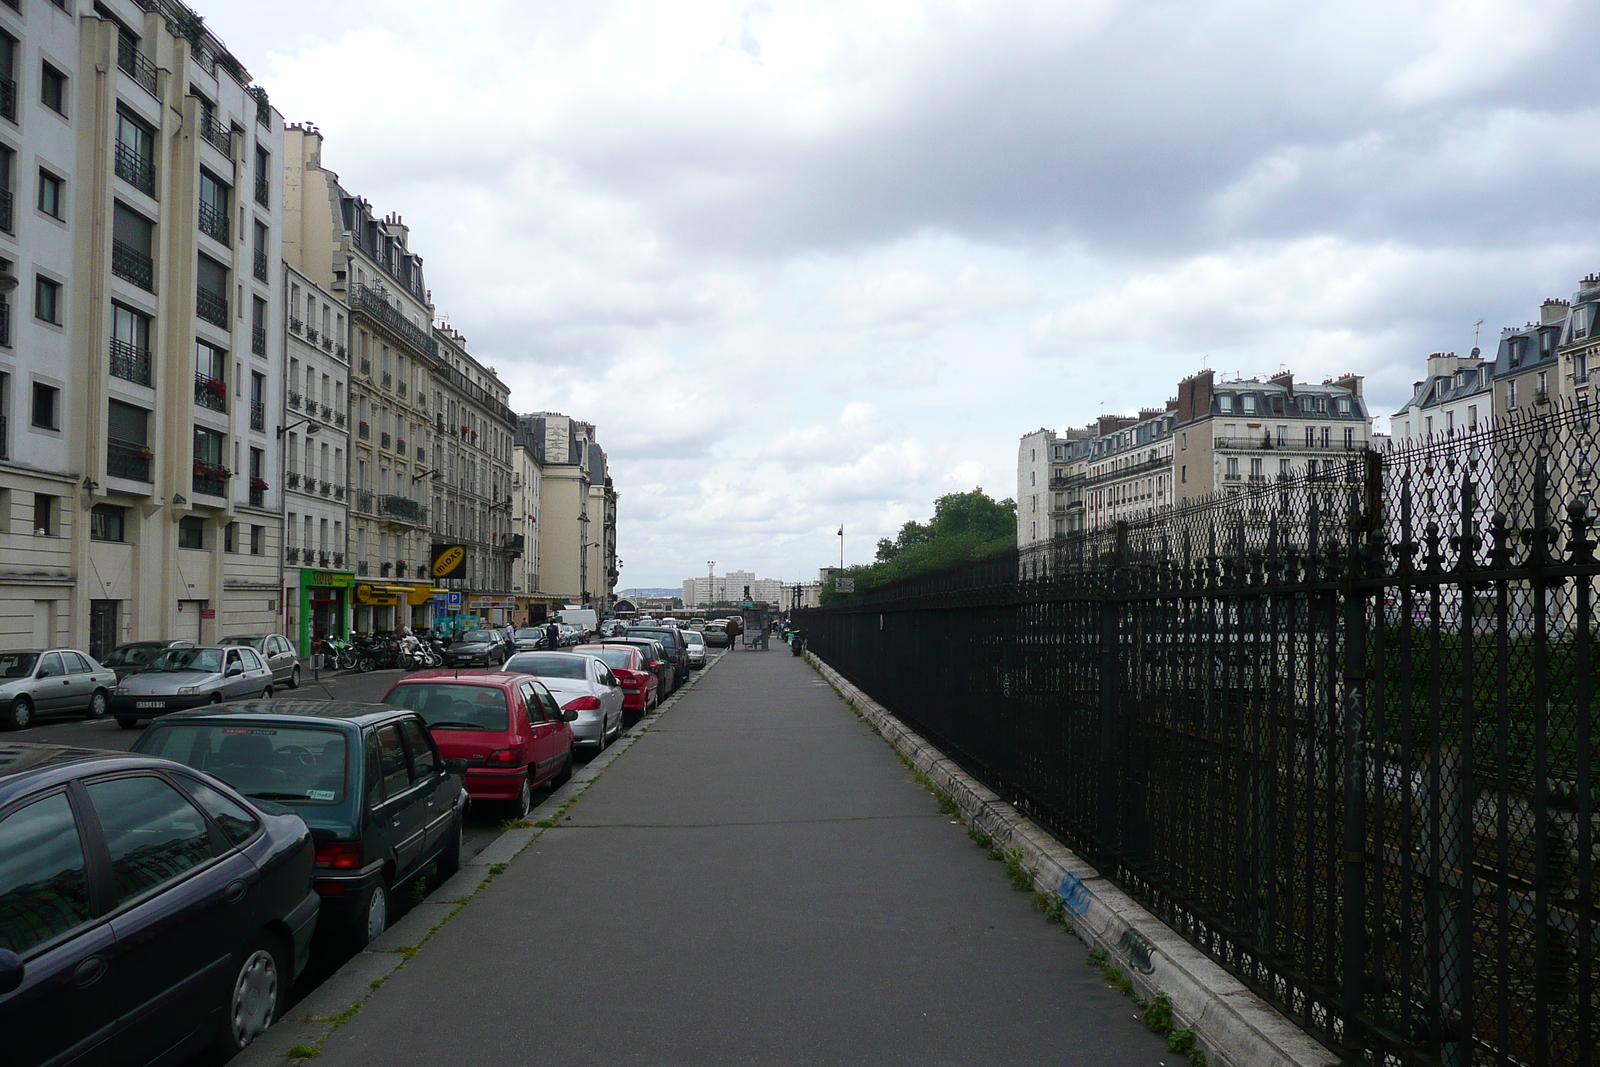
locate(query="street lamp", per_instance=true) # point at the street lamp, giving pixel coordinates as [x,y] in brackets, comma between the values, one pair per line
[313,428]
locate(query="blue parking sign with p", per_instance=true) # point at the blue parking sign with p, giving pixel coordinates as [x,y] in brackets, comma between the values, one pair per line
[454,598]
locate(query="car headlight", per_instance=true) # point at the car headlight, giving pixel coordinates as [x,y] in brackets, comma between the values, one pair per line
[187,690]
[120,691]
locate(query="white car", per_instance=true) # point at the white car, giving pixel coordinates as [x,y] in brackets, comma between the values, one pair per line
[697,648]
[582,684]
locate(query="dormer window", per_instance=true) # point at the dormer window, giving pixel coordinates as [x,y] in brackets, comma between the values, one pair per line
[1580,323]
[1225,402]
[1344,405]
[1305,404]
[1249,403]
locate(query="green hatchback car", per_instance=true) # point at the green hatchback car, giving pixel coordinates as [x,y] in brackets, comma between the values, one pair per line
[382,803]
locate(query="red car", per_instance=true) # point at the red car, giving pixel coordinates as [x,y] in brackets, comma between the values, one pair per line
[509,729]
[641,689]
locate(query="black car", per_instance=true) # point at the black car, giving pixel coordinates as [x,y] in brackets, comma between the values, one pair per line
[655,658]
[676,647]
[147,912]
[381,801]
[478,648]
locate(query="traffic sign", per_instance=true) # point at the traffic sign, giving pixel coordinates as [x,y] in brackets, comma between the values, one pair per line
[454,600]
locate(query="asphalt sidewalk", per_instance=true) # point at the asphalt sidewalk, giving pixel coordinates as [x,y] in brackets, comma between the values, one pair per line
[757,880]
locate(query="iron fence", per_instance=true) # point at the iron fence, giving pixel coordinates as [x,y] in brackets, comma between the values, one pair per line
[1337,731]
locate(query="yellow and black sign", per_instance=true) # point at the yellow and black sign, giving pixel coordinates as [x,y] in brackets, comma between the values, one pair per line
[449,561]
[377,596]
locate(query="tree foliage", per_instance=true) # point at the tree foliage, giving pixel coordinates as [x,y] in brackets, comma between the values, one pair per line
[964,527]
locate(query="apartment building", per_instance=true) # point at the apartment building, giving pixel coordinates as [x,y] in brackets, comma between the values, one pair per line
[527,485]
[140,356]
[1527,367]
[318,577]
[571,463]
[472,476]
[1234,433]
[600,564]
[1455,396]
[334,238]
[729,588]
[1127,468]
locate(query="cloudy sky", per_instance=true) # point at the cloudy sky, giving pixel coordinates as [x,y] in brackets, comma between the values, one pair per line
[813,263]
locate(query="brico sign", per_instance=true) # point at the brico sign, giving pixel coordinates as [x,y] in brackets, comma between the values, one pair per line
[449,561]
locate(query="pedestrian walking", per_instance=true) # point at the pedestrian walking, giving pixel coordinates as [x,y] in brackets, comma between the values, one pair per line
[735,628]
[552,636]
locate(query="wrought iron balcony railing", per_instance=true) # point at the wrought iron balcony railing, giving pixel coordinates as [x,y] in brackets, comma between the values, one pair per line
[220,136]
[258,340]
[258,497]
[293,400]
[7,220]
[136,65]
[214,222]
[130,264]
[258,415]
[137,170]
[403,508]
[213,307]
[292,479]
[129,363]
[125,459]
[370,303]
[263,190]
[210,392]
[8,98]
[261,265]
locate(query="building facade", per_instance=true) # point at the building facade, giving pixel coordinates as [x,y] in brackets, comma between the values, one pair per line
[1455,396]
[730,588]
[139,356]
[527,485]
[577,553]
[318,577]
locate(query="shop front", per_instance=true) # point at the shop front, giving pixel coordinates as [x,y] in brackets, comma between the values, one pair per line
[319,607]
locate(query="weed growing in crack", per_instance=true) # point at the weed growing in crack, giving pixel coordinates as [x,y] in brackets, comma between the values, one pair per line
[498,869]
[1157,1015]
[1021,877]
[516,824]
[301,1053]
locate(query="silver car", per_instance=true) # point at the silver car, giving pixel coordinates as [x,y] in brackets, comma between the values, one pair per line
[579,683]
[52,680]
[277,651]
[189,677]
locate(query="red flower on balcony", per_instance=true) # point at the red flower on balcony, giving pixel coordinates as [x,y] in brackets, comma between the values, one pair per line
[202,469]
[464,429]
[217,387]
[258,484]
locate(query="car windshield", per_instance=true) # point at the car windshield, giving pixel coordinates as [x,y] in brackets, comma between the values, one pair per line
[132,655]
[17,664]
[453,706]
[247,642]
[528,635]
[293,763]
[549,665]
[476,637]
[208,660]
[611,657]
[693,638]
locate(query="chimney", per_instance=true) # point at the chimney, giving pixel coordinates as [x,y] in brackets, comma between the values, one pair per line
[1552,310]
[1286,379]
[1194,396]
[1172,404]
[1442,364]
[1352,382]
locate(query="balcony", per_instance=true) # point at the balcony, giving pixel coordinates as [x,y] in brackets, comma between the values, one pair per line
[338,492]
[361,568]
[388,380]
[263,190]
[260,265]
[210,392]
[258,340]
[7,219]
[401,388]
[212,307]
[361,500]
[258,416]
[125,459]
[338,418]
[292,479]
[210,478]
[137,170]
[296,326]
[136,65]
[327,413]
[422,454]
[375,307]
[338,559]
[129,363]
[311,333]
[338,350]
[327,342]
[291,555]
[219,136]
[214,223]
[400,445]
[8,98]
[403,509]
[293,400]
[363,431]
[322,559]
[366,367]
[132,265]
[383,440]
[327,488]
[1130,471]
[258,497]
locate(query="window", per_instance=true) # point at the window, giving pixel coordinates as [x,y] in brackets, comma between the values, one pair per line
[236,824]
[1311,437]
[1233,467]
[1349,437]
[46,406]
[53,89]
[1427,425]
[211,292]
[1327,436]
[258,540]
[107,523]
[258,326]
[1225,402]
[392,767]
[263,177]
[1472,414]
[422,754]
[152,832]
[227,536]
[47,299]
[213,208]
[130,345]
[1449,425]
[192,532]
[44,886]
[1255,470]
[1283,468]
[50,194]
[135,153]
[132,245]
[1344,405]
[8,76]
[1183,474]
[1511,393]
[1249,403]
[1544,384]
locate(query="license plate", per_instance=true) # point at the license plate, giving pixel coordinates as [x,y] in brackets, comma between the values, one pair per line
[151,704]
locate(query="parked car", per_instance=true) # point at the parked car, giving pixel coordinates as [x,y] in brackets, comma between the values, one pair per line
[697,624]
[51,681]
[382,801]
[671,639]
[641,688]
[696,644]
[187,677]
[478,648]
[530,639]
[582,684]
[655,661]
[509,729]
[716,635]
[280,655]
[612,628]
[147,912]
[125,659]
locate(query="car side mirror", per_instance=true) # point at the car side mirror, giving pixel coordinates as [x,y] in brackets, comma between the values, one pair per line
[234,672]
[11,971]
[569,716]
[456,767]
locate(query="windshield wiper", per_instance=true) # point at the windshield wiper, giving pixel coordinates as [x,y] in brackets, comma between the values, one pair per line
[453,724]
[279,796]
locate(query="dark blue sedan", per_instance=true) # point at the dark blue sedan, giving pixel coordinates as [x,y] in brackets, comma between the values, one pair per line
[146,910]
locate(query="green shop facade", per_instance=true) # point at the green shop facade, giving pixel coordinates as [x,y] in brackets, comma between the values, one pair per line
[319,608]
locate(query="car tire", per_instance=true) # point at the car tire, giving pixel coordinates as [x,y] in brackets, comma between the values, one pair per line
[266,694]
[371,915]
[127,723]
[19,716]
[524,802]
[99,704]
[294,678]
[256,998]
[449,861]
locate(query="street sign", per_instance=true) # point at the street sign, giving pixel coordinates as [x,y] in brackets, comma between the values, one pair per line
[454,601]
[844,585]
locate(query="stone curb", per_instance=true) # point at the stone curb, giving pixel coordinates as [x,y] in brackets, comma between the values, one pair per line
[310,1022]
[1232,1025]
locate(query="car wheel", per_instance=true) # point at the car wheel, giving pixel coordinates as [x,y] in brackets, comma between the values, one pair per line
[257,997]
[372,917]
[99,704]
[449,861]
[294,678]
[266,694]
[127,723]
[524,802]
[20,715]
[216,698]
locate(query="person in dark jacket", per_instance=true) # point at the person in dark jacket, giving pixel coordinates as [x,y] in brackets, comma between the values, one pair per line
[735,628]
[552,636]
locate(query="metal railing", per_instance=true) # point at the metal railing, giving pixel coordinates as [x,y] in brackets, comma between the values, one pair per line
[311,333]
[338,418]
[1341,736]
[258,497]
[263,190]
[291,555]
[373,305]
[137,170]
[258,340]
[130,363]
[7,211]
[295,325]
[292,479]
[383,440]
[1132,470]
[258,415]
[130,264]
[363,431]
[402,508]
[137,65]
[361,568]
[210,484]
[8,99]
[124,459]
[261,265]
[210,392]
[214,222]
[293,400]
[1288,444]
[220,137]
[361,500]
[212,307]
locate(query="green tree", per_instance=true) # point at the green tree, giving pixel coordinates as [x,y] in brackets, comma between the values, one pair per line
[964,527]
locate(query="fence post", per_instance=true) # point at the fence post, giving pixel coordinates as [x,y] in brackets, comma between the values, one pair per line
[1108,792]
